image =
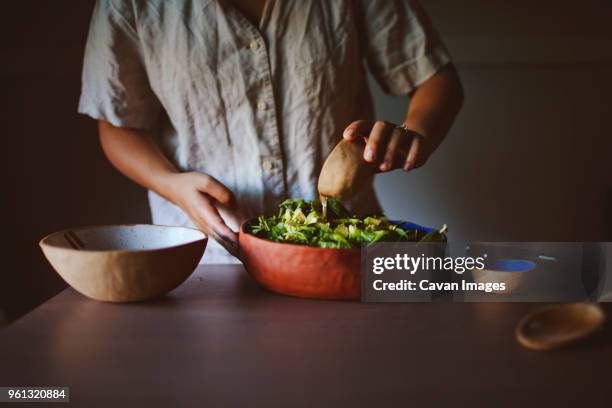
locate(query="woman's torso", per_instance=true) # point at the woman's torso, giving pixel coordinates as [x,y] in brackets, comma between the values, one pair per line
[258,108]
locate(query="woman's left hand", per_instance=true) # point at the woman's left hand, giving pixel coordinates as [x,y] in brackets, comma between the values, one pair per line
[389,145]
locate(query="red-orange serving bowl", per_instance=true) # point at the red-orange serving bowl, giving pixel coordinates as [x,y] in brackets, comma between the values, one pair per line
[300,270]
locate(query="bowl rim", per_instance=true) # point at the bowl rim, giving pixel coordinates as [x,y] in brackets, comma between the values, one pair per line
[43,244]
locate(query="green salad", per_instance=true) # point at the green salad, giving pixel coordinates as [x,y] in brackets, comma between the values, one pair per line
[306,222]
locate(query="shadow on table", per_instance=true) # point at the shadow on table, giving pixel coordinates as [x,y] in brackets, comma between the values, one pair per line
[247,286]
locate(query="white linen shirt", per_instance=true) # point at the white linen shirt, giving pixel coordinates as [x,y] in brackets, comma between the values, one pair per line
[258,108]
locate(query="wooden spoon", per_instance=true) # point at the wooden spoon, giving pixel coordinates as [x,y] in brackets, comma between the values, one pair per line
[557,326]
[345,171]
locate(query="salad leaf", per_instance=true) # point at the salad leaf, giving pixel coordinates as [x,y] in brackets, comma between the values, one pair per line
[303,222]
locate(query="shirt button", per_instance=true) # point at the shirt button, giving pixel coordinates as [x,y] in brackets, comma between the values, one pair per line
[267,165]
[262,106]
[255,45]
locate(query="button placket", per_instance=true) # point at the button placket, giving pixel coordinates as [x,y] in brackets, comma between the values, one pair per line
[272,167]
[255,45]
[270,150]
[262,106]
[271,163]
[267,164]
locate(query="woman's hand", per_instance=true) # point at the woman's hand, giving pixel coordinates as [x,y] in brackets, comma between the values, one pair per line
[134,153]
[431,112]
[389,145]
[199,195]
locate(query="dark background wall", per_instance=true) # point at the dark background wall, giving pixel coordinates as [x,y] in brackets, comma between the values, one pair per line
[529,157]
[58,176]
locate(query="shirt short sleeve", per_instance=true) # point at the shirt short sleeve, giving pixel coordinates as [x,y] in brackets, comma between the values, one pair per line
[115,86]
[402,49]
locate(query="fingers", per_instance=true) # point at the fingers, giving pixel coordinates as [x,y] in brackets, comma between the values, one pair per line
[211,186]
[359,128]
[377,141]
[210,221]
[413,154]
[398,139]
[385,143]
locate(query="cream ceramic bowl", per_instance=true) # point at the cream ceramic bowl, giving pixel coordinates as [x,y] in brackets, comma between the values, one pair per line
[124,263]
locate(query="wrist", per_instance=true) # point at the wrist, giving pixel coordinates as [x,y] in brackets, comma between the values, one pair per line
[414,130]
[166,185]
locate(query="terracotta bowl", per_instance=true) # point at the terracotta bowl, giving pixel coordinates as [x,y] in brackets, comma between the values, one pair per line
[300,270]
[124,263]
[304,271]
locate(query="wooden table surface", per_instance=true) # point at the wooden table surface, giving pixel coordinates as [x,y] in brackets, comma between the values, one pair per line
[220,340]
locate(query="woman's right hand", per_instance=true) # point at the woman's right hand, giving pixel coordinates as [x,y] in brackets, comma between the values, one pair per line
[199,195]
